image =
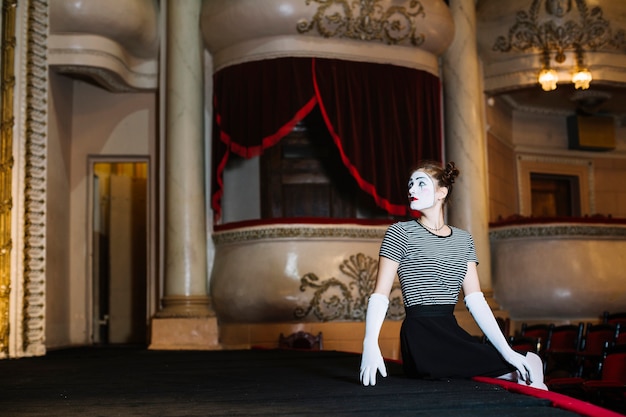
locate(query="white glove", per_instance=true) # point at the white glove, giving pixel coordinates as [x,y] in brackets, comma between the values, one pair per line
[478,307]
[372,360]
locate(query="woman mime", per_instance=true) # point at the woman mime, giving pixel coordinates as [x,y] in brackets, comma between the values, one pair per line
[434,261]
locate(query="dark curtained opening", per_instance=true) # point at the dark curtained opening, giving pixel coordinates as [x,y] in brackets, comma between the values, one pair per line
[382,118]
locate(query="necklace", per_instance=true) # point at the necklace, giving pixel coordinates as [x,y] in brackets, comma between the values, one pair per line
[432,228]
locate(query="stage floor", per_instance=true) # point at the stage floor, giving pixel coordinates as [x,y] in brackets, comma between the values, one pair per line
[128,381]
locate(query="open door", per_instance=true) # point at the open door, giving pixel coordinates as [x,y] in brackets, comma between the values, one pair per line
[120,253]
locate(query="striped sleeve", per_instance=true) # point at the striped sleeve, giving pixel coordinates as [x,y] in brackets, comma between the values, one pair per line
[394,244]
[471,250]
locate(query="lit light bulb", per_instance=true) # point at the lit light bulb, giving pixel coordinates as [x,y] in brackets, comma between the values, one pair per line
[582,78]
[548,79]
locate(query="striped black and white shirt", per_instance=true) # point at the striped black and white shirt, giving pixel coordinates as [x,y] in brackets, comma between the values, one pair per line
[431,268]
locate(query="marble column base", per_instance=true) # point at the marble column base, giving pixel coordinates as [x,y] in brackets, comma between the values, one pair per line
[186,306]
[185,322]
[185,333]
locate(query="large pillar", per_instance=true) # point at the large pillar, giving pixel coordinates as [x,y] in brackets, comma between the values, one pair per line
[465,134]
[187,319]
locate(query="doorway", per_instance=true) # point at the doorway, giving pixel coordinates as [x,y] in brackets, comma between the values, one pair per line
[119,266]
[303,176]
[554,195]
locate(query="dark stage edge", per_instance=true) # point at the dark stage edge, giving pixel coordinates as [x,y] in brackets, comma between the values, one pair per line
[125,381]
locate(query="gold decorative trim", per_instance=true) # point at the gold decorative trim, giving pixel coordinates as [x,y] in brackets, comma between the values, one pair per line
[6,167]
[366,20]
[36,96]
[297,232]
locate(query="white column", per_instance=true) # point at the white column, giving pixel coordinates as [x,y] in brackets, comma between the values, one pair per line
[465,134]
[187,319]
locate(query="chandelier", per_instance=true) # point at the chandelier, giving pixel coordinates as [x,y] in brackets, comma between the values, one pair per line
[557,30]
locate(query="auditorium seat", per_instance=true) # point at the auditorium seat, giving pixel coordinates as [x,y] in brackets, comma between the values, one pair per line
[621,337]
[524,344]
[505,325]
[562,348]
[610,390]
[618,318]
[570,386]
[301,340]
[538,331]
[614,318]
[597,338]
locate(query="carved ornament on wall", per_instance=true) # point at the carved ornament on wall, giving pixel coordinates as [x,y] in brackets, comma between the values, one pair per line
[562,28]
[336,300]
[32,88]
[366,20]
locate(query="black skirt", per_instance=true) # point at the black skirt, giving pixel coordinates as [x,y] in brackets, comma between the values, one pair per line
[433,345]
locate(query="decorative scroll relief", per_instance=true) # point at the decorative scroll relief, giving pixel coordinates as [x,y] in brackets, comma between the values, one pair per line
[560,29]
[366,20]
[394,32]
[23,333]
[333,299]
[34,220]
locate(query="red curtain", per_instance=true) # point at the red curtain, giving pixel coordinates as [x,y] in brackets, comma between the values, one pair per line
[383,118]
[254,105]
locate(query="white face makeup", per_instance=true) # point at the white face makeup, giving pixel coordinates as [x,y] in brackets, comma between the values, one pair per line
[421,191]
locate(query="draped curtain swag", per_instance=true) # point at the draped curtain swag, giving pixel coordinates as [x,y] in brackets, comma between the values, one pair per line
[382,118]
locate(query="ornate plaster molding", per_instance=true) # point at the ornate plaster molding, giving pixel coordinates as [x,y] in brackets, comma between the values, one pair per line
[111,80]
[23,179]
[561,29]
[513,41]
[346,299]
[367,20]
[115,43]
[548,111]
[34,220]
[298,232]
[411,33]
[559,230]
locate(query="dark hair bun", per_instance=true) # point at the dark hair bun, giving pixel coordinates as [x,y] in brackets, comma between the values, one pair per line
[450,173]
